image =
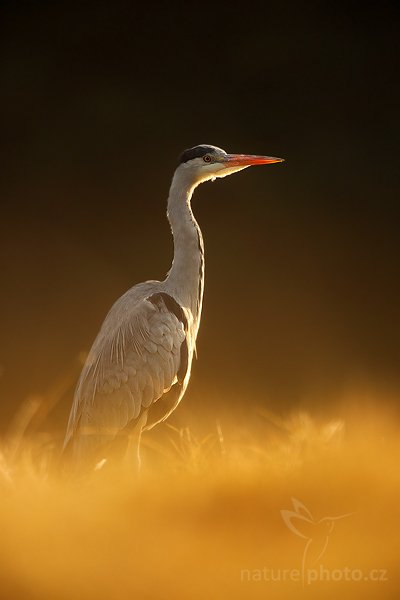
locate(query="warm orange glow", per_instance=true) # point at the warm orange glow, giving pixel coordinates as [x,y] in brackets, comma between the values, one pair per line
[205,518]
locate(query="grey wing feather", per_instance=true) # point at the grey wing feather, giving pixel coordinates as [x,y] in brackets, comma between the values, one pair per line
[134,360]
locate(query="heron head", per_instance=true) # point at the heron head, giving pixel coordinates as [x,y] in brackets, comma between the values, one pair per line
[205,162]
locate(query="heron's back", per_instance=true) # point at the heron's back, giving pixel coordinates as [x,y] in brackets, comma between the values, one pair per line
[142,350]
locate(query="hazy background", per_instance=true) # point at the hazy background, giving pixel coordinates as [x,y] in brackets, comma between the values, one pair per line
[302,278]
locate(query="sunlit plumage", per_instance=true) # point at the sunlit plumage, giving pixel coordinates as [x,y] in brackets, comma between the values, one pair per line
[139,366]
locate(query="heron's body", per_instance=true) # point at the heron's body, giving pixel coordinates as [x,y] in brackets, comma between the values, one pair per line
[139,366]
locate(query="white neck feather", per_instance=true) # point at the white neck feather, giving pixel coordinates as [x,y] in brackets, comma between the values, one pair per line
[186,277]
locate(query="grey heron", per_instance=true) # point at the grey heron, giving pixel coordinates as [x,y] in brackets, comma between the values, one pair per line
[138,368]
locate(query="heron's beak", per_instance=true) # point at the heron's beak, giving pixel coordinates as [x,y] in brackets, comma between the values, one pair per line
[246,160]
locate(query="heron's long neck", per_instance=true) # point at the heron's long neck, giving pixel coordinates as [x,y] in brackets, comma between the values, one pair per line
[186,277]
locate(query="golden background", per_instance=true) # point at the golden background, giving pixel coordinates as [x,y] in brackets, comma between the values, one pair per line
[295,392]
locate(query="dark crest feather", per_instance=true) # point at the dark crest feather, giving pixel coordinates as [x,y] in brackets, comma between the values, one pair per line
[195,152]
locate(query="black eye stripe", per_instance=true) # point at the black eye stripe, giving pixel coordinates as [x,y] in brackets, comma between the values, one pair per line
[196,152]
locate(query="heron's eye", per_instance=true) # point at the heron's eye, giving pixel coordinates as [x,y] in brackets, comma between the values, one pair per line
[207,158]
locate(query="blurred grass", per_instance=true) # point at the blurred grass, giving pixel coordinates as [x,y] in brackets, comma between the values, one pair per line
[205,508]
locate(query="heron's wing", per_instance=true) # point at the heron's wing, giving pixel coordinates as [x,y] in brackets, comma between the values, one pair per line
[140,352]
